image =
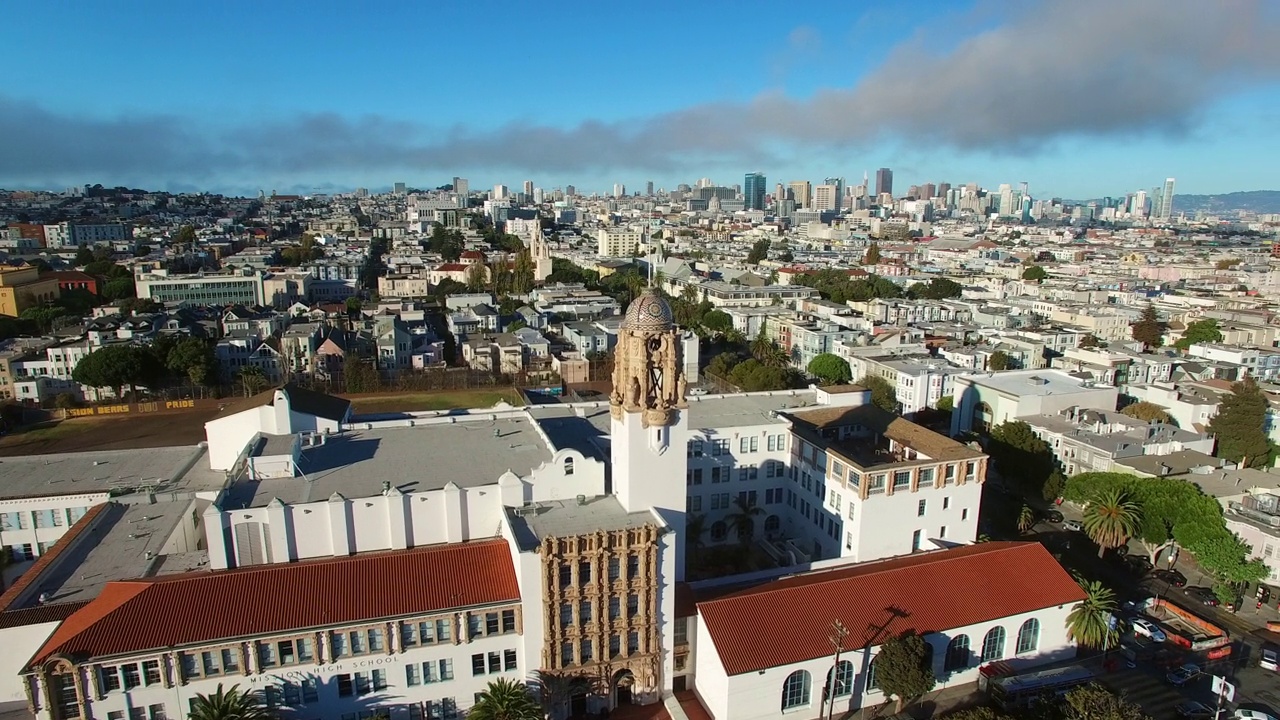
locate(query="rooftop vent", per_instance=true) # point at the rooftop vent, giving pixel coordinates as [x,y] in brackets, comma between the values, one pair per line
[1037,380]
[582,499]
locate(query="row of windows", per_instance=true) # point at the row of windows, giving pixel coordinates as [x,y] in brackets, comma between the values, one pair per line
[746,444]
[614,570]
[586,649]
[431,671]
[493,662]
[797,689]
[57,517]
[718,474]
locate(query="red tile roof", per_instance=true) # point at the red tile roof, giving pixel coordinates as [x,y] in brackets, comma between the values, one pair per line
[452,267]
[193,608]
[761,627]
[39,614]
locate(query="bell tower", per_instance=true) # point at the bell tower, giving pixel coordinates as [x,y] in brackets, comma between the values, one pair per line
[649,430]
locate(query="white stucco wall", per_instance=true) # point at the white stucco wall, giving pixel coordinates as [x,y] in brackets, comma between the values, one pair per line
[19,644]
[883,525]
[15,536]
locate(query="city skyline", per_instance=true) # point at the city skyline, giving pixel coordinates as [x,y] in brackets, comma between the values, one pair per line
[247,116]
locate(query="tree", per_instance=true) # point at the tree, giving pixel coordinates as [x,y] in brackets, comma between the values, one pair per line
[1095,702]
[1148,412]
[1148,330]
[1089,622]
[998,361]
[115,366]
[936,289]
[759,251]
[883,395]
[903,670]
[66,401]
[362,376]
[1019,455]
[252,379]
[118,289]
[43,316]
[830,369]
[186,235]
[505,699]
[84,255]
[767,351]
[982,712]
[1035,273]
[476,277]
[1111,519]
[192,358]
[946,404]
[1091,341]
[229,705]
[1239,424]
[872,255]
[354,305]
[717,321]
[522,274]
[743,519]
[1026,519]
[1200,331]
[754,376]
[556,689]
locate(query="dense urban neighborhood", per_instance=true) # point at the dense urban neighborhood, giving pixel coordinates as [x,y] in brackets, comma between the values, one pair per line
[719,451]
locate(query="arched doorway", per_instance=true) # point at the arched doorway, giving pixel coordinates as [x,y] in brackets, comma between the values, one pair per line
[622,682]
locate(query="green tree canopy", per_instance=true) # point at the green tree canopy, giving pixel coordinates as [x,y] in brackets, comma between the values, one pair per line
[192,358]
[936,289]
[115,366]
[883,394]
[903,668]
[1089,622]
[1020,456]
[505,699]
[1148,412]
[1035,273]
[228,705]
[717,321]
[1110,519]
[759,251]
[753,376]
[1200,331]
[354,305]
[998,361]
[1239,424]
[830,369]
[1095,702]
[838,286]
[872,255]
[1149,330]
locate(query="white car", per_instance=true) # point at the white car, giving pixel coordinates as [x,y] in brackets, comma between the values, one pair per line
[1251,715]
[1073,526]
[1269,660]
[1146,628]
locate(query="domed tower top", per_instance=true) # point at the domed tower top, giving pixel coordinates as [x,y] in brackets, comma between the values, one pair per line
[648,313]
[648,370]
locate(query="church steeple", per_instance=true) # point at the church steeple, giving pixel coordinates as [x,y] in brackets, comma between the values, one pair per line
[648,372]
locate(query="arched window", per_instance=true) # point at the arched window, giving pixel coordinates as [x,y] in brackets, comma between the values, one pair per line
[928,656]
[873,682]
[568,466]
[772,524]
[718,531]
[957,653]
[1029,636]
[795,691]
[842,674]
[993,644]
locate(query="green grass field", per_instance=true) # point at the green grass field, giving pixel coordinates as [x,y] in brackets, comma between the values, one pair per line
[444,400]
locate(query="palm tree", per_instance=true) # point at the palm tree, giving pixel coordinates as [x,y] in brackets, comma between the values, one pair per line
[556,689]
[229,705]
[743,518]
[505,699]
[1026,518]
[1111,519]
[253,379]
[1089,622]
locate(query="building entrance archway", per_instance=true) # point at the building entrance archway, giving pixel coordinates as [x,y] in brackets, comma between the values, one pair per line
[622,682]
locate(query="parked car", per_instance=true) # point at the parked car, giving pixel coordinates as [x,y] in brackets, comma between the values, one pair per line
[1135,606]
[1148,629]
[1193,710]
[1251,715]
[1181,676]
[1269,659]
[1053,516]
[1173,577]
[1073,526]
[1203,595]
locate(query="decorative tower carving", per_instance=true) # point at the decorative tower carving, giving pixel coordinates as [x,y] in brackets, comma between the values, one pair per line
[648,372]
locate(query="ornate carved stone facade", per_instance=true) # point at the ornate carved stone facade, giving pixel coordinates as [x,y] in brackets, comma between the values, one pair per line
[648,373]
[601,609]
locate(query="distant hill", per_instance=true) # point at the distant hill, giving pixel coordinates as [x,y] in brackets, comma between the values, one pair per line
[1257,201]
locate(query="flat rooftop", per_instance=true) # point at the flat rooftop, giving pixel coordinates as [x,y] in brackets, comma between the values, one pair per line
[180,470]
[1034,382]
[123,543]
[566,518]
[468,453]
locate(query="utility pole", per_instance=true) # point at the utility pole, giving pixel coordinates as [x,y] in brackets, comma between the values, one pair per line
[838,633]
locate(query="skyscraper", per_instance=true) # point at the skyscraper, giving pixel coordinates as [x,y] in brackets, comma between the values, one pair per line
[461,186]
[399,188]
[838,182]
[803,193]
[884,181]
[826,197]
[528,187]
[619,190]
[753,192]
[1166,200]
[499,192]
[648,189]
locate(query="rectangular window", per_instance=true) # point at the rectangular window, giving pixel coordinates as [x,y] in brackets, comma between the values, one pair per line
[566,576]
[345,687]
[379,679]
[633,605]
[876,485]
[915,541]
[429,674]
[682,631]
[156,712]
[720,447]
[633,567]
[376,640]
[695,503]
[477,664]
[508,621]
[920,508]
[151,672]
[615,608]
[508,660]
[585,650]
[109,678]
[615,646]
[566,653]
[566,615]
[132,678]
[964,513]
[902,480]
[584,573]
[137,713]
[943,532]
[338,645]
[633,642]
[926,477]
[230,661]
[267,654]
[755,444]
[473,626]
[411,677]
[946,503]
[615,569]
[584,611]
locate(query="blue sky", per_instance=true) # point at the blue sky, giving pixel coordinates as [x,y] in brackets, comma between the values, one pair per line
[1080,98]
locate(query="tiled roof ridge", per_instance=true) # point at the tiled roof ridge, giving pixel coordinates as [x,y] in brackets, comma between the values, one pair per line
[885,565]
[60,546]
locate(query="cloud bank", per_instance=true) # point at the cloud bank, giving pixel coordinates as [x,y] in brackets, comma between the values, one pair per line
[1054,69]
